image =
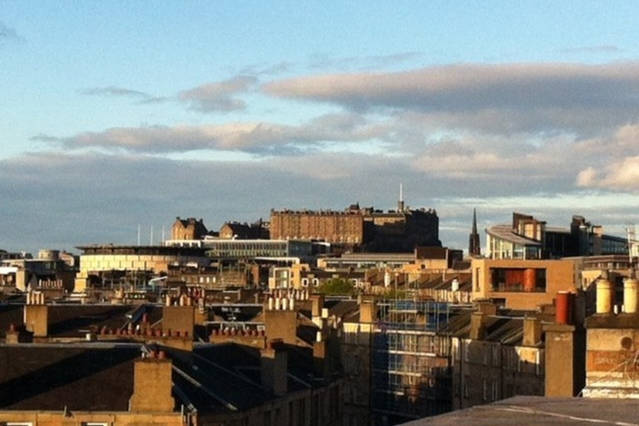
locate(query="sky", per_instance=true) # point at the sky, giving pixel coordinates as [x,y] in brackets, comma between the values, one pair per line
[119,114]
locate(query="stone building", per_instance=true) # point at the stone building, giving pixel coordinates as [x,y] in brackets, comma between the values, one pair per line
[366,228]
[103,265]
[497,357]
[244,231]
[188,229]
[156,365]
[345,227]
[612,343]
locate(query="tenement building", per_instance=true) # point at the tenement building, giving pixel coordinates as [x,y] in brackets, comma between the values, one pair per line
[188,229]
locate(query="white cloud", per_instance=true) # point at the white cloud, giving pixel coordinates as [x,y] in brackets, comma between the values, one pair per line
[261,137]
[218,96]
[501,98]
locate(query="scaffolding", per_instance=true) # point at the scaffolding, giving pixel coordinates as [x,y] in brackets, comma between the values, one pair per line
[411,375]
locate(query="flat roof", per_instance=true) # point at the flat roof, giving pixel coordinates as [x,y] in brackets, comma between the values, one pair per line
[539,410]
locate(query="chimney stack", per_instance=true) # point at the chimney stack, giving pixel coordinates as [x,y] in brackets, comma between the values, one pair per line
[532,331]
[477,325]
[320,356]
[152,384]
[367,310]
[36,314]
[274,367]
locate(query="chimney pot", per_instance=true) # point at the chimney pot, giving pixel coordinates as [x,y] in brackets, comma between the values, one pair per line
[604,296]
[563,307]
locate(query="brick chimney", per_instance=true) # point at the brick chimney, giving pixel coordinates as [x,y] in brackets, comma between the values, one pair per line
[152,384]
[274,367]
[36,314]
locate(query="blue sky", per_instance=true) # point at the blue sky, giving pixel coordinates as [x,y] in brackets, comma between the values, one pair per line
[119,113]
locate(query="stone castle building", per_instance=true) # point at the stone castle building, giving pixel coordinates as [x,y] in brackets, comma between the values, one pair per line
[398,230]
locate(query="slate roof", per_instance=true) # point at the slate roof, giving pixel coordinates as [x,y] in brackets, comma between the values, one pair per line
[99,376]
[74,320]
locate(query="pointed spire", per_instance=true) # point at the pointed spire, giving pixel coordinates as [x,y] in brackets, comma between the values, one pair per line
[473,239]
[474,221]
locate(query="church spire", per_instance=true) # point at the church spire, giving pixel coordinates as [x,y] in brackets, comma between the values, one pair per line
[473,240]
[474,221]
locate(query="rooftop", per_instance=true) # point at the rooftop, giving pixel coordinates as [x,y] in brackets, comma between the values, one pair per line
[537,410]
[505,232]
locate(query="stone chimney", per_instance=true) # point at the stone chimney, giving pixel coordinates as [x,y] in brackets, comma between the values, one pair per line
[486,307]
[280,322]
[152,383]
[368,311]
[477,325]
[317,308]
[36,314]
[179,316]
[560,360]
[274,367]
[321,364]
[13,335]
[532,331]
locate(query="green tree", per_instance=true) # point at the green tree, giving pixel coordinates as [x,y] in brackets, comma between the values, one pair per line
[337,286]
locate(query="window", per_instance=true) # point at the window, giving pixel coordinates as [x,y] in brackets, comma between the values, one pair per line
[494,391]
[485,390]
[518,279]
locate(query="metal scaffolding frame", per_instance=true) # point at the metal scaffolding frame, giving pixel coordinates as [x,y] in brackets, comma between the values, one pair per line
[411,374]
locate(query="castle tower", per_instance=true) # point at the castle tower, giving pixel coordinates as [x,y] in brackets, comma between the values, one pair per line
[474,249]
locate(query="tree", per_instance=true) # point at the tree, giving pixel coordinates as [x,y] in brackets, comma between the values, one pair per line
[337,286]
